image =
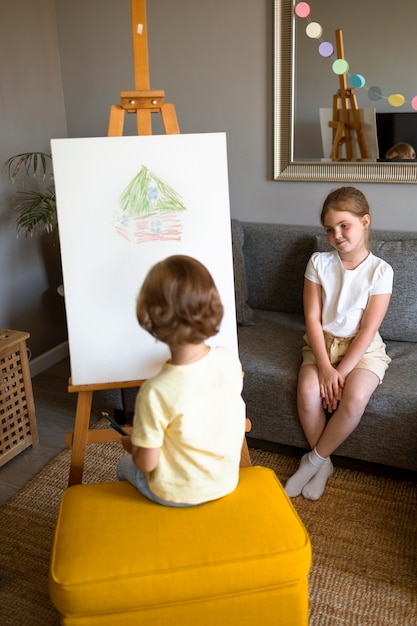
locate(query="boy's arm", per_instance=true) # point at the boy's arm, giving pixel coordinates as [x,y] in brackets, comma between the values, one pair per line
[145,459]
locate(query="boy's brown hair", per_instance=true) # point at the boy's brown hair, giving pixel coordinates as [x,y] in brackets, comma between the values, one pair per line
[178,302]
[400,151]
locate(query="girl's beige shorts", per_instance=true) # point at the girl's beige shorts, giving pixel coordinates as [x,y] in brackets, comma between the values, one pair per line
[375,358]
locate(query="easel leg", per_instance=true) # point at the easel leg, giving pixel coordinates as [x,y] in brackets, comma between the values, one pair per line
[334,154]
[169,119]
[116,121]
[358,126]
[244,455]
[143,122]
[82,423]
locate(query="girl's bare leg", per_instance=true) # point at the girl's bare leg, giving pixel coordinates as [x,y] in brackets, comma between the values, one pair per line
[313,422]
[316,467]
[359,387]
[309,404]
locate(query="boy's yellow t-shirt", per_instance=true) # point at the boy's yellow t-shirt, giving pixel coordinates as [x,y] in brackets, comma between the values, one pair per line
[196,415]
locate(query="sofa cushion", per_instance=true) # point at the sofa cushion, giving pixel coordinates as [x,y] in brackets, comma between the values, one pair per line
[402,256]
[244,313]
[270,353]
[275,260]
[400,322]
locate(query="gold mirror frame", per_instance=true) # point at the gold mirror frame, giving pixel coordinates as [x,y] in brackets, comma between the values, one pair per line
[285,168]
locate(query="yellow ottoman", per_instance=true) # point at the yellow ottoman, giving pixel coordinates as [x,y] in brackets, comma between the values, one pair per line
[120,559]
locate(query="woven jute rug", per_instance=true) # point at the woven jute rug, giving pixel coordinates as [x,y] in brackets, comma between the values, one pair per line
[363,533]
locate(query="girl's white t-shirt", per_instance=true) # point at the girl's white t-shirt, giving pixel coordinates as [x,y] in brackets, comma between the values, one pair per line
[345,293]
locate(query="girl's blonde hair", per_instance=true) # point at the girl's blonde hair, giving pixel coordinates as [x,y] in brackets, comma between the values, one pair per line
[178,302]
[346,199]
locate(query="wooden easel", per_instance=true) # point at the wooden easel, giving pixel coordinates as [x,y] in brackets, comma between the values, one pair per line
[346,118]
[143,102]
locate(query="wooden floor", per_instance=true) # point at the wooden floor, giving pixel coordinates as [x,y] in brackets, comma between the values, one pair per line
[55,412]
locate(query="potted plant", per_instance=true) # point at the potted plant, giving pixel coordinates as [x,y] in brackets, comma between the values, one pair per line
[36,208]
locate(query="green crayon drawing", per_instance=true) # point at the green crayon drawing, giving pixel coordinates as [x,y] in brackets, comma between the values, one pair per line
[149,210]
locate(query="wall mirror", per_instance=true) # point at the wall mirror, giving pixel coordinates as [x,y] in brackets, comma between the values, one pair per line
[378,45]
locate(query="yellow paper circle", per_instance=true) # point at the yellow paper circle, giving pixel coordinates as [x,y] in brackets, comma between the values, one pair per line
[396,100]
[314,30]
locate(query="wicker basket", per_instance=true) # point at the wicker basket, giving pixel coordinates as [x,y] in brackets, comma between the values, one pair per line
[18,428]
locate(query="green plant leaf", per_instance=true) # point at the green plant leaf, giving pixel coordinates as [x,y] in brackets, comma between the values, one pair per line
[36,212]
[28,163]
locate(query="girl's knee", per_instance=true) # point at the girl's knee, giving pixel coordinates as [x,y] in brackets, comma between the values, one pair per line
[353,408]
[308,380]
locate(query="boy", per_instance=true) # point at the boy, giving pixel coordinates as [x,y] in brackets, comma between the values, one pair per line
[189,420]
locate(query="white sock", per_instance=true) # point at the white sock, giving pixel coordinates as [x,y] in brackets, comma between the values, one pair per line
[309,465]
[314,489]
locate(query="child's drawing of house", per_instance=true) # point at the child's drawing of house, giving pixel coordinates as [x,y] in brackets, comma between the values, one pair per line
[149,210]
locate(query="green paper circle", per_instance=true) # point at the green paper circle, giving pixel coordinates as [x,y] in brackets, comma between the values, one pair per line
[340,66]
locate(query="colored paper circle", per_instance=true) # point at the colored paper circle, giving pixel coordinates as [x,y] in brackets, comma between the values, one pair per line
[302,9]
[314,30]
[326,49]
[356,80]
[340,66]
[414,103]
[396,100]
[374,93]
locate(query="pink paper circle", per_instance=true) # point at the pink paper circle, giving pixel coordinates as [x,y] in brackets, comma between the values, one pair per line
[326,49]
[414,103]
[302,9]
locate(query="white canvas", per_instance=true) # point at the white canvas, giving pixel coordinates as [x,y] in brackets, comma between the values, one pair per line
[106,254]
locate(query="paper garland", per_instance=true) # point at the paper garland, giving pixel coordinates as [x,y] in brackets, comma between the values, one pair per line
[314,30]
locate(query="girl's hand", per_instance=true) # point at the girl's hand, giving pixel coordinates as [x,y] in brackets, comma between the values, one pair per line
[331,388]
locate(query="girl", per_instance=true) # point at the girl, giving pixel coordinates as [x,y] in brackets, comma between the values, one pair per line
[189,421]
[346,296]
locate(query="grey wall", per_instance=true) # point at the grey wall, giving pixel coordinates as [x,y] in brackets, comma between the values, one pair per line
[213,58]
[31,111]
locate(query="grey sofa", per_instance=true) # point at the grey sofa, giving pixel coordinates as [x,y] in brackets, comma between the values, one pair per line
[269,262]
